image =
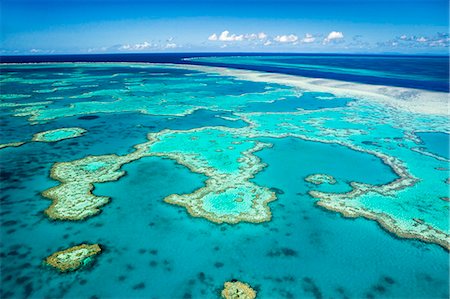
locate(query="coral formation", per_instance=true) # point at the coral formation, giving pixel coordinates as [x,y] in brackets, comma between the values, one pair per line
[11,144]
[318,179]
[73,198]
[58,134]
[228,196]
[237,290]
[73,258]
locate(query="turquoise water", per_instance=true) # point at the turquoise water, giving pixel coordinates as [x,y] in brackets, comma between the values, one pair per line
[153,249]
[436,143]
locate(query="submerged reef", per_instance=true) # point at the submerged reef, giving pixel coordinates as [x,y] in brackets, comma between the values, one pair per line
[58,134]
[237,290]
[345,204]
[228,196]
[73,198]
[318,179]
[50,136]
[73,258]
[11,144]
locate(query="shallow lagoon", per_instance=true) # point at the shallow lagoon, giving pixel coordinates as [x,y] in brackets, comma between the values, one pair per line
[436,143]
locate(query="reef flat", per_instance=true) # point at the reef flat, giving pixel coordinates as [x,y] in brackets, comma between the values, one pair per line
[228,196]
[409,99]
[11,144]
[73,198]
[320,178]
[237,289]
[58,134]
[73,258]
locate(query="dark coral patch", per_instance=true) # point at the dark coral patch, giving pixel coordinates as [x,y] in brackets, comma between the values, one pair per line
[88,117]
[277,190]
[218,265]
[288,252]
[310,287]
[139,286]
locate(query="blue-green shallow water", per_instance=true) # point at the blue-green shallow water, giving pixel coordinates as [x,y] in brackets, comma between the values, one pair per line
[155,250]
[128,129]
[436,143]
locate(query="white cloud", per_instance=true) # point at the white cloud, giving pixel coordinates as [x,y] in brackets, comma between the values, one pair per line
[251,36]
[262,35]
[286,38]
[422,39]
[267,43]
[213,37]
[36,51]
[309,38]
[405,41]
[334,35]
[226,37]
[440,43]
[136,47]
[170,45]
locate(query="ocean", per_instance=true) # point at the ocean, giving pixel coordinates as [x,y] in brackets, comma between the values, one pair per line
[288,172]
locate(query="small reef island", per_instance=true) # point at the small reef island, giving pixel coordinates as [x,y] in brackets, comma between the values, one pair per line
[73,258]
[58,134]
[237,290]
[319,179]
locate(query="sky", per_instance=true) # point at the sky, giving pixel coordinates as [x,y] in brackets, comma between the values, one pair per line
[301,26]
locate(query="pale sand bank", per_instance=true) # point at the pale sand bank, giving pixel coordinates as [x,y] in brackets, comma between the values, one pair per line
[412,100]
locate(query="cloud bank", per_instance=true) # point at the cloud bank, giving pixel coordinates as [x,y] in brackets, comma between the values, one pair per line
[333,35]
[226,36]
[291,38]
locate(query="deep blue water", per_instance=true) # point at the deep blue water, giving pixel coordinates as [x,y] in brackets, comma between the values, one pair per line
[433,70]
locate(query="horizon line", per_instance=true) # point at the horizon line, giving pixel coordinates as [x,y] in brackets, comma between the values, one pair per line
[232,53]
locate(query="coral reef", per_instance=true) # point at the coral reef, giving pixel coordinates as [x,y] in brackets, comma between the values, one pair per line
[237,290]
[318,179]
[11,144]
[73,198]
[228,196]
[58,134]
[73,258]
